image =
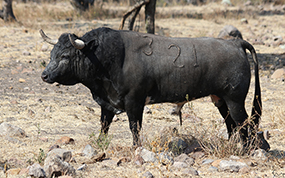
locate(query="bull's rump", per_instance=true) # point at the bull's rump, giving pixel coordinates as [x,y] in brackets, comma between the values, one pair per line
[173,68]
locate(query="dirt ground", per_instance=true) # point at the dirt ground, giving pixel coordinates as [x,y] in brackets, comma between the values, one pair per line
[48,112]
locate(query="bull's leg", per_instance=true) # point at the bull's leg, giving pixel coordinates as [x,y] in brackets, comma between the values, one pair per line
[230,123]
[224,111]
[106,120]
[239,115]
[134,111]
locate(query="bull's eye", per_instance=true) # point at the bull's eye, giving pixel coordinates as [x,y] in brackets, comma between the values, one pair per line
[64,57]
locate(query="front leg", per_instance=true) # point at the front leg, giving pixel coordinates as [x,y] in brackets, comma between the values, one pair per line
[106,120]
[134,109]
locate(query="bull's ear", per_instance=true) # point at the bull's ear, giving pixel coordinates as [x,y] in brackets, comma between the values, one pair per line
[77,43]
[94,43]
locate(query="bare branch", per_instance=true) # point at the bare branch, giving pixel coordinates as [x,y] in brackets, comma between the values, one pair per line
[136,7]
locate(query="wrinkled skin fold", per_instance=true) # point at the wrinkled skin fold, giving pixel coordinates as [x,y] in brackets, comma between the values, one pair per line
[125,70]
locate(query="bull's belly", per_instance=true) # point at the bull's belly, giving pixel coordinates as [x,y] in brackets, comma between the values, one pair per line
[174,98]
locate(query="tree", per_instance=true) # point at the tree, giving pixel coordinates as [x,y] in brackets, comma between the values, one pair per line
[7,11]
[149,15]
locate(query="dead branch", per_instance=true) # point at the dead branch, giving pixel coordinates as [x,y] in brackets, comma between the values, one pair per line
[136,8]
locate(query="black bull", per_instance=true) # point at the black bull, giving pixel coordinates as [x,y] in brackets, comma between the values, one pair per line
[125,70]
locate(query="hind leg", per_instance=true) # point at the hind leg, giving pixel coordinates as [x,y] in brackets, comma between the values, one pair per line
[224,111]
[230,123]
[239,116]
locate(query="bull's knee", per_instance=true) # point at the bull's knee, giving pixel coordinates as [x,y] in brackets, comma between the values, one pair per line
[218,102]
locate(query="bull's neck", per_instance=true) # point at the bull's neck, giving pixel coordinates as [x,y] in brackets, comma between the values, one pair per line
[92,73]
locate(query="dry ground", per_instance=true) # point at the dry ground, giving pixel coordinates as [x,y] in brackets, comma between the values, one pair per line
[53,111]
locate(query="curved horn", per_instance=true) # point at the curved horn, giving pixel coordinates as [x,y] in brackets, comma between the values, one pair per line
[47,39]
[79,44]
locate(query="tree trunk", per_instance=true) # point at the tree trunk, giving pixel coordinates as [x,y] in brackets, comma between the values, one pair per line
[149,16]
[7,12]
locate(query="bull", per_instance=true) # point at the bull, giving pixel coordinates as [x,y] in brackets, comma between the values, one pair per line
[126,70]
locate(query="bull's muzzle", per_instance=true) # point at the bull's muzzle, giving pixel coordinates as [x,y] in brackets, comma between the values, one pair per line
[44,77]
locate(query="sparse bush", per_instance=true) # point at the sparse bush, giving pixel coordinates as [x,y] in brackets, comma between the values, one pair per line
[40,157]
[102,142]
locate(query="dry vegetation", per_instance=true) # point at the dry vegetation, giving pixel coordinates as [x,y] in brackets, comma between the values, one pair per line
[52,111]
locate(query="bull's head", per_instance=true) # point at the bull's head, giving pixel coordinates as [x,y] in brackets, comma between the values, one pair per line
[62,66]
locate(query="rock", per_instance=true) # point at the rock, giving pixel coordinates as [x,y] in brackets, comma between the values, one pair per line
[24,171]
[110,162]
[190,171]
[279,73]
[259,154]
[138,160]
[229,32]
[123,160]
[47,109]
[207,161]
[177,145]
[147,175]
[97,158]
[184,158]
[62,153]
[194,146]
[146,155]
[14,102]
[44,139]
[14,163]
[13,171]
[65,140]
[89,151]
[44,47]
[197,155]
[213,169]
[244,170]
[232,166]
[14,140]
[26,53]
[36,170]
[216,163]
[278,38]
[11,130]
[180,165]
[233,157]
[165,159]
[53,147]
[55,166]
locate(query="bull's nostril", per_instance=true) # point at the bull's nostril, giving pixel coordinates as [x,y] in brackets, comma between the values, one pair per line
[44,77]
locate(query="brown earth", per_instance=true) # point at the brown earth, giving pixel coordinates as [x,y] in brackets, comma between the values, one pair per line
[52,111]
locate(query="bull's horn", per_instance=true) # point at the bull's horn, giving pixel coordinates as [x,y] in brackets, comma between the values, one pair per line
[79,44]
[47,39]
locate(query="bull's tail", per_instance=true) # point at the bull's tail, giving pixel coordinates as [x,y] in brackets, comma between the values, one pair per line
[257,104]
